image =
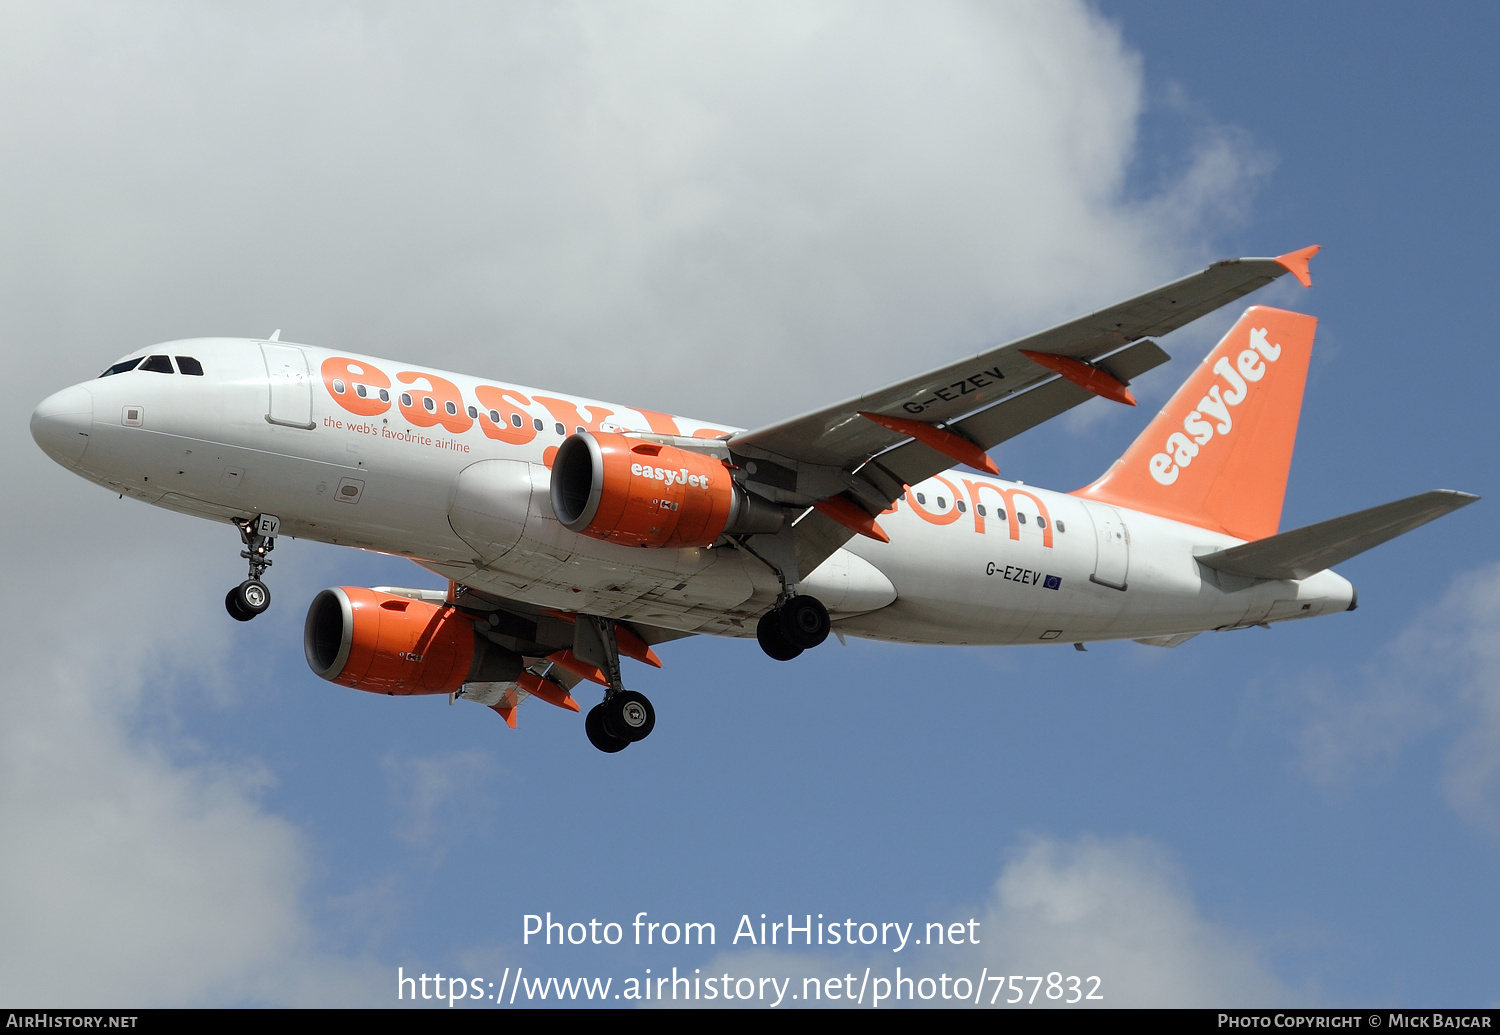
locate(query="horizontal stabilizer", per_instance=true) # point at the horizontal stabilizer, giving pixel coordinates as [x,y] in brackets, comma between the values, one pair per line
[1306,551]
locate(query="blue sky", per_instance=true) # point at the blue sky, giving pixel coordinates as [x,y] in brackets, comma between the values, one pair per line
[594,199]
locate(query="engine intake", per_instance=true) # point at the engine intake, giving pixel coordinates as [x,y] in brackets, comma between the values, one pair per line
[388,644]
[637,493]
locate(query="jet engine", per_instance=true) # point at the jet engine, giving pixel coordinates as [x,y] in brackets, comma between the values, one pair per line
[641,493]
[389,644]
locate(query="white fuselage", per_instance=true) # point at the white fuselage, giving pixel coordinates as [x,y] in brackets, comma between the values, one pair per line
[254,434]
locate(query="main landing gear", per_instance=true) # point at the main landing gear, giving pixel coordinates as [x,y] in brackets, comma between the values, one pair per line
[797,624]
[624,716]
[253,596]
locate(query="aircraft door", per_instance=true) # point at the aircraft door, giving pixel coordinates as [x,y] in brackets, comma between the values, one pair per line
[1112,564]
[291,388]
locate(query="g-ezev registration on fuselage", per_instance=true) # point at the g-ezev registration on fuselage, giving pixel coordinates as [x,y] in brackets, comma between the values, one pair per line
[573,532]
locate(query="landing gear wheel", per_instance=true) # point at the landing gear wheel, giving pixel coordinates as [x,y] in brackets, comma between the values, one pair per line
[248,599]
[772,640]
[629,716]
[804,622]
[601,738]
[232,605]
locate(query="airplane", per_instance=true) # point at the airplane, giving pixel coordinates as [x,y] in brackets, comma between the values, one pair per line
[574,533]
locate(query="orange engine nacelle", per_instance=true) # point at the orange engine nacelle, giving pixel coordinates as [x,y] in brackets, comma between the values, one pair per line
[396,645]
[639,493]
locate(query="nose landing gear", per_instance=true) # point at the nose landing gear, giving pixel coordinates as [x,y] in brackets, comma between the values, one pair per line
[253,596]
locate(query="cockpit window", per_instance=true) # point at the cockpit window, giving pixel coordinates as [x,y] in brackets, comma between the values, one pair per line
[122,366]
[160,364]
[189,365]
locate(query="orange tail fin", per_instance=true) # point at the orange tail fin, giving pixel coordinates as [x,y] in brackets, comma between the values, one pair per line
[1218,454]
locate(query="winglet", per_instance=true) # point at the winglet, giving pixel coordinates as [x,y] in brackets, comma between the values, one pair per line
[1297,261]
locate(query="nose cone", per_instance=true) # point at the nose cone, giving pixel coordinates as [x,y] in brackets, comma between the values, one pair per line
[61,424]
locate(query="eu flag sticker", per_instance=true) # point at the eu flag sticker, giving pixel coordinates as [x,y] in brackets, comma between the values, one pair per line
[1052,582]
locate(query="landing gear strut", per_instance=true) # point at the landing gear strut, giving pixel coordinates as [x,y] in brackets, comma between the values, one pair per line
[624,716]
[797,624]
[253,596]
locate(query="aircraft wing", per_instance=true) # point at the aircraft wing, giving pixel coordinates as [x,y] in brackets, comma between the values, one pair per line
[846,456]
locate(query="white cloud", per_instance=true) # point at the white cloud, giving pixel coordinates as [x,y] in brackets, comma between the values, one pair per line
[1121,910]
[678,205]
[439,796]
[674,204]
[1118,909]
[129,876]
[1440,678]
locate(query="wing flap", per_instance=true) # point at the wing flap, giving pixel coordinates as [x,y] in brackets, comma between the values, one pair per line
[1308,550]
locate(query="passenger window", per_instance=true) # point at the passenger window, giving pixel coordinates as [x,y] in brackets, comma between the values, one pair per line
[1000,514]
[122,367]
[922,499]
[338,386]
[473,413]
[160,364]
[515,418]
[429,405]
[405,398]
[962,507]
[359,390]
[385,396]
[560,429]
[1020,517]
[452,409]
[1041,522]
[536,422]
[980,508]
[189,365]
[1060,527]
[582,430]
[942,503]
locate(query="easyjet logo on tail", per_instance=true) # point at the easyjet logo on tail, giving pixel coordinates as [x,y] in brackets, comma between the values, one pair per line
[1213,412]
[1217,455]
